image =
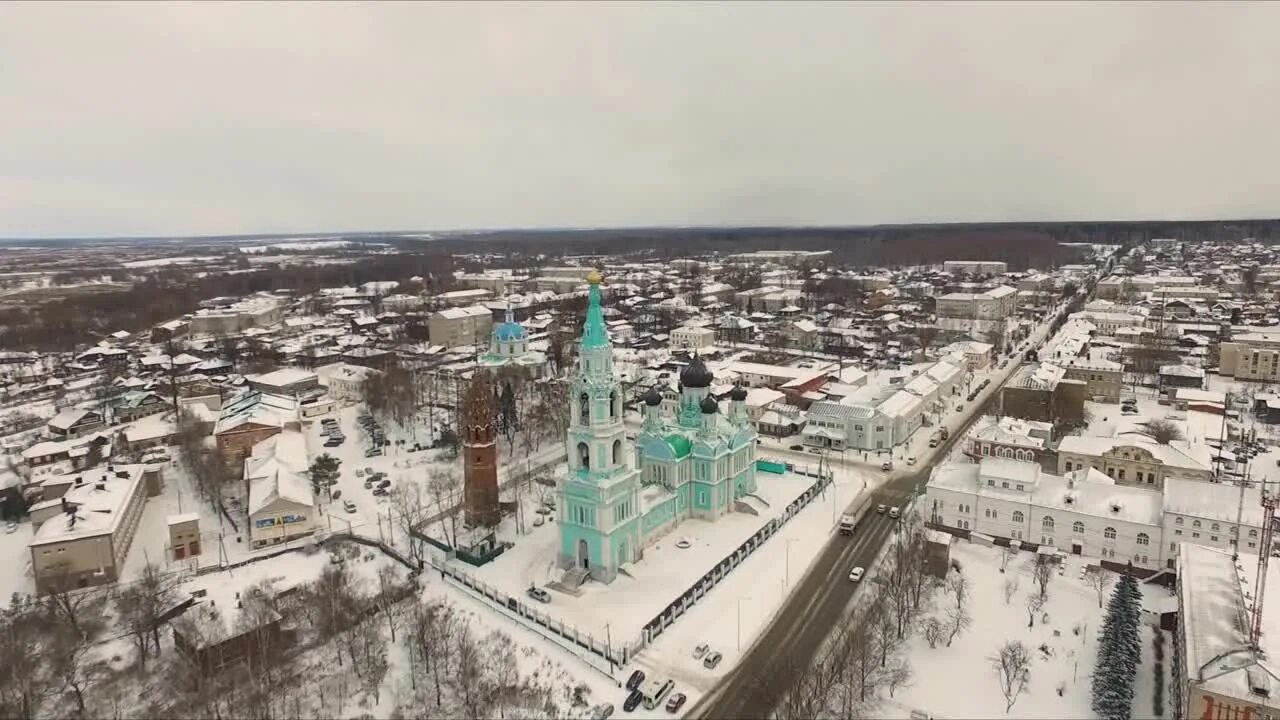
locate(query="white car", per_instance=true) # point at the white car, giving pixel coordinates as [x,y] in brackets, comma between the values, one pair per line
[856,574]
[911,460]
[348,506]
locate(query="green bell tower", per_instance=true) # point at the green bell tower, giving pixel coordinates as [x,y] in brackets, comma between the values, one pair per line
[599,498]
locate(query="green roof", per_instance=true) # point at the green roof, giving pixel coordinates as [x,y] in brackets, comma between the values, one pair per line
[680,445]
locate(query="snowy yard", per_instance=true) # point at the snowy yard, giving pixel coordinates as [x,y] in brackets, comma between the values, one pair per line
[728,619]
[960,682]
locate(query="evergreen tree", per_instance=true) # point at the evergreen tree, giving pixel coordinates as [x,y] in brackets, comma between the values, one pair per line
[1119,652]
[323,472]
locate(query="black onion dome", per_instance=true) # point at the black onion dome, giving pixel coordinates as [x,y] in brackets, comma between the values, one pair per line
[709,405]
[652,397]
[738,394]
[696,374]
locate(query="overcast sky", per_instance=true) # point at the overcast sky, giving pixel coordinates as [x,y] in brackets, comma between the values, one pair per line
[212,118]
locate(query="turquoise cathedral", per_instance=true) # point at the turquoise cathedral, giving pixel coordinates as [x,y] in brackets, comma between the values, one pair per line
[615,500]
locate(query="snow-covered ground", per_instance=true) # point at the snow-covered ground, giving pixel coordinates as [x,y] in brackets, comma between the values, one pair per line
[728,619]
[959,681]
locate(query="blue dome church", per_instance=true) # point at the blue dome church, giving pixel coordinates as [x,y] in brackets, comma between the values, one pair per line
[616,499]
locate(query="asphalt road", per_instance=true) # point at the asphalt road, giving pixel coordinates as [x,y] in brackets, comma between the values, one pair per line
[791,642]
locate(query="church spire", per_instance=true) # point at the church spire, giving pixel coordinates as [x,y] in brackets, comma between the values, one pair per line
[593,330]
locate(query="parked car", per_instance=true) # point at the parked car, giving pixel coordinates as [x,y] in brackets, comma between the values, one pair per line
[10,528]
[332,442]
[856,574]
[384,484]
[379,491]
[797,448]
[371,452]
[348,506]
[635,680]
[359,472]
[538,521]
[701,650]
[676,702]
[712,660]
[538,594]
[603,712]
[633,700]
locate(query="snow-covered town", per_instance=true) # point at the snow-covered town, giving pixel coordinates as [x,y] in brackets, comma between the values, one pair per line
[749,484]
[723,360]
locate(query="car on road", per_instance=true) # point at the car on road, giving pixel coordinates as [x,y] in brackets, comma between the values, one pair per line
[893,512]
[635,680]
[911,460]
[633,700]
[856,574]
[538,521]
[882,509]
[712,660]
[348,506]
[10,528]
[676,702]
[371,452]
[538,594]
[797,448]
[886,466]
[1128,410]
[701,650]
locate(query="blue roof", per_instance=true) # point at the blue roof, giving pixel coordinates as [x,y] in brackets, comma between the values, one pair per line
[509,331]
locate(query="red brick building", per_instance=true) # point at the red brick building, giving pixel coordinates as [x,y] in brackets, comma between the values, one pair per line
[480,453]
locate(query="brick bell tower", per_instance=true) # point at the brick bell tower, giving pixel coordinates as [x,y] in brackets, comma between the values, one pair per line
[480,454]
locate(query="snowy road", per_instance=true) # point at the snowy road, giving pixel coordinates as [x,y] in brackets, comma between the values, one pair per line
[788,646]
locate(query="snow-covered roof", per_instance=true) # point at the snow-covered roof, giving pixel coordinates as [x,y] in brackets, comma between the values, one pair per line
[1178,454]
[276,470]
[1215,623]
[900,404]
[97,503]
[283,377]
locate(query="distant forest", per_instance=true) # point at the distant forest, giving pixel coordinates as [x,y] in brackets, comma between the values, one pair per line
[1022,245]
[168,293]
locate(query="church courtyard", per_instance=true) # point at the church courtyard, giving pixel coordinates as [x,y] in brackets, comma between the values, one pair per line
[620,609]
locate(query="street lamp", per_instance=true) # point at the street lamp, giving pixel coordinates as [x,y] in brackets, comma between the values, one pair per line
[788,562]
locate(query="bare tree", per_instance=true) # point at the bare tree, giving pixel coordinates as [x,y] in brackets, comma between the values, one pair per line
[141,605]
[1042,572]
[412,503]
[24,682]
[958,619]
[1012,663]
[390,592]
[958,586]
[445,490]
[899,674]
[79,608]
[1098,578]
[1035,603]
[1010,589]
[1164,431]
[933,631]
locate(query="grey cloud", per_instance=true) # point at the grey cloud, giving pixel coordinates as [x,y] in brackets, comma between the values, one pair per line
[221,118]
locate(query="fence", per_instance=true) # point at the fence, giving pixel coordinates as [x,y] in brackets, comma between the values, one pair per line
[543,623]
[699,589]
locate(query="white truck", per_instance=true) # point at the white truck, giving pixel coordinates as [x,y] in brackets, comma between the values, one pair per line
[846,524]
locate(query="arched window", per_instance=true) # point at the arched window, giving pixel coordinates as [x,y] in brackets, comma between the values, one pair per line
[584,408]
[1215,527]
[584,456]
[1177,521]
[1017,516]
[1195,523]
[1253,533]
[1143,539]
[617,452]
[1077,527]
[1109,533]
[1047,522]
[613,404]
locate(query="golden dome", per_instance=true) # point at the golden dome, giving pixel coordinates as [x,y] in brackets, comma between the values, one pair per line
[594,277]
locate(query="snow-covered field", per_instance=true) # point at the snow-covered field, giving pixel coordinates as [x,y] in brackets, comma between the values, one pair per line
[959,681]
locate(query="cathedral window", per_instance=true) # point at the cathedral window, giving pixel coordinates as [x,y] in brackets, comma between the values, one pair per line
[617,452]
[584,408]
[613,404]
[584,456]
